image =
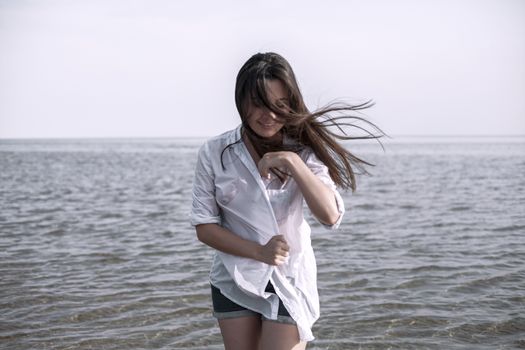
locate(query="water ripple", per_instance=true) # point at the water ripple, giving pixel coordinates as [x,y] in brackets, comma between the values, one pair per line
[96,250]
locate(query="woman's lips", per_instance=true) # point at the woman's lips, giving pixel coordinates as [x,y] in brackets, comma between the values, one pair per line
[268,125]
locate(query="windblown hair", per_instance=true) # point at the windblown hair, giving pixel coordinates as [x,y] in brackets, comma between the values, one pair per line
[320,130]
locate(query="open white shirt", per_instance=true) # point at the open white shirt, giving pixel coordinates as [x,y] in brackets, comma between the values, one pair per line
[237,198]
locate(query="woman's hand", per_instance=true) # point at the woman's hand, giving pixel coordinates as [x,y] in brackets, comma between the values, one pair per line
[279,160]
[319,197]
[275,251]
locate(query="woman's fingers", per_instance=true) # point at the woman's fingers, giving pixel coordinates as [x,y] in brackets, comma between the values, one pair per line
[283,245]
[279,261]
[263,167]
[278,250]
[268,161]
[282,248]
[264,171]
[282,242]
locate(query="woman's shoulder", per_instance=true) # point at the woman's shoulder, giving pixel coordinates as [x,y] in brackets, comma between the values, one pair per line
[226,137]
[217,143]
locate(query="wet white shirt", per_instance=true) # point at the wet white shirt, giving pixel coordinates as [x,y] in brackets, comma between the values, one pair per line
[240,200]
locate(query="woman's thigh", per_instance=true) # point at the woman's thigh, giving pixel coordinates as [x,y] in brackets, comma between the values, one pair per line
[241,333]
[280,336]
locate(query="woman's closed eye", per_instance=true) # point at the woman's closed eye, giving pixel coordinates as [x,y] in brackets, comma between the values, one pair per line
[283,104]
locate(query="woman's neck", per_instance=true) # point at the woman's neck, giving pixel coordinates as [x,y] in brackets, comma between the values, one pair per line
[277,139]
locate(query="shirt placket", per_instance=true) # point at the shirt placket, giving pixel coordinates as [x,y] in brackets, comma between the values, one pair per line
[248,162]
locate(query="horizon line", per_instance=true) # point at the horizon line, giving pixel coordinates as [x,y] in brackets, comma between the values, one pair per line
[209,136]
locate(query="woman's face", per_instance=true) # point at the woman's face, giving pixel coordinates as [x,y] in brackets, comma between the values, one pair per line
[263,121]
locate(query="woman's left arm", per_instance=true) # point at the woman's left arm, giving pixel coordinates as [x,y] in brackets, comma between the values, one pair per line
[319,197]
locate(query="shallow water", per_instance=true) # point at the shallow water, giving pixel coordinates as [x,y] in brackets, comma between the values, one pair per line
[96,251]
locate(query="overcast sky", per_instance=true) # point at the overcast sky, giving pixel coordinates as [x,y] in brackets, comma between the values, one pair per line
[123,68]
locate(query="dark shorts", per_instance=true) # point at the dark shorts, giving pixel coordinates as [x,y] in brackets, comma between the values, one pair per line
[225,308]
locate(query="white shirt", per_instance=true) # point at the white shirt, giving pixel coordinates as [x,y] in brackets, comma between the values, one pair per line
[240,200]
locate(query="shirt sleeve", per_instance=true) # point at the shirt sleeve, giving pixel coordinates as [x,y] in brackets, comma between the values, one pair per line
[321,171]
[204,209]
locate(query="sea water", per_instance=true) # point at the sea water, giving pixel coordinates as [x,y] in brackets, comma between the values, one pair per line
[96,249]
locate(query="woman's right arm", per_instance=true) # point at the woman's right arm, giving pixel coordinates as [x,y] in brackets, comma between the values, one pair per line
[272,253]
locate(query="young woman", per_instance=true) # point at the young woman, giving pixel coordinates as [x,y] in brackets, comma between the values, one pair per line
[248,193]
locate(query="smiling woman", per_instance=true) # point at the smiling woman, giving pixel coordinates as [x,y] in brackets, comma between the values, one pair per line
[248,192]
[263,121]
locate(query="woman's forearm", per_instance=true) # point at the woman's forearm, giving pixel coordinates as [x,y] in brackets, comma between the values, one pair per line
[319,197]
[226,241]
[274,252]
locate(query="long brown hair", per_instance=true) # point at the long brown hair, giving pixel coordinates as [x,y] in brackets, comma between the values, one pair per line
[307,129]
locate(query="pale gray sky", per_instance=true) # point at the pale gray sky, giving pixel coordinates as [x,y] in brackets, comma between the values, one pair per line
[122,68]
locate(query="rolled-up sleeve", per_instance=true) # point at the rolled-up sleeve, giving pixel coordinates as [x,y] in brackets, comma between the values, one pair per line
[204,209]
[321,171]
